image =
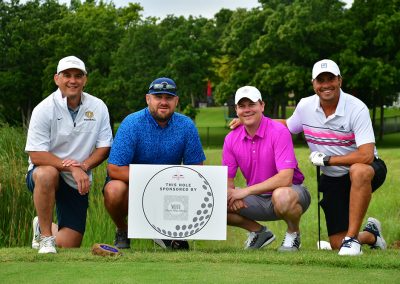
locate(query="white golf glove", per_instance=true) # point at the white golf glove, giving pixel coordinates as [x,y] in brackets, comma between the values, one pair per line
[319,159]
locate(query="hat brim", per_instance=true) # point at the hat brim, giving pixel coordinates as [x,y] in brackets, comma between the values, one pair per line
[162,92]
[71,67]
[326,71]
[254,100]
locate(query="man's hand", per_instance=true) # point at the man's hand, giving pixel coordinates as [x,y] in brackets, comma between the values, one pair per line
[81,179]
[319,159]
[70,162]
[236,206]
[236,194]
[75,163]
[234,123]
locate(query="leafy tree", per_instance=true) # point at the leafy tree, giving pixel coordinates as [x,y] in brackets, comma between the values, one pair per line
[137,62]
[22,61]
[373,53]
[189,48]
[231,65]
[274,48]
[91,33]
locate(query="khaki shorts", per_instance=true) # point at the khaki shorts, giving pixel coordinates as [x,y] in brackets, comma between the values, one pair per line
[260,207]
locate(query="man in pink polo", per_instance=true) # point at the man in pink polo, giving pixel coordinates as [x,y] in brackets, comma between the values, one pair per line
[263,150]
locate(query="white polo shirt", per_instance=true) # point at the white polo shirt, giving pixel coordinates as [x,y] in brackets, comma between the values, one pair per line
[339,134]
[51,129]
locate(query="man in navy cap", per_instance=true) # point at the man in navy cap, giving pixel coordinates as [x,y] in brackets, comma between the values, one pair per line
[153,135]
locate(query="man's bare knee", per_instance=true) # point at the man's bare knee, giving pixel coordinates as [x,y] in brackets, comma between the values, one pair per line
[68,238]
[46,175]
[284,200]
[115,192]
[361,173]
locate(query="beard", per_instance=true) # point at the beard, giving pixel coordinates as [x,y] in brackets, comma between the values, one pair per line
[160,118]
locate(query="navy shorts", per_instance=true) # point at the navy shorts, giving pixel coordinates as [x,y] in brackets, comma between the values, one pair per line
[71,207]
[336,197]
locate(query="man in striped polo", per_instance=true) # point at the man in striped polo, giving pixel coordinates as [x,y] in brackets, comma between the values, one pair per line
[339,133]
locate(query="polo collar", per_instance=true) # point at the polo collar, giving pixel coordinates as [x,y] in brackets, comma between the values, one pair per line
[63,100]
[339,108]
[260,131]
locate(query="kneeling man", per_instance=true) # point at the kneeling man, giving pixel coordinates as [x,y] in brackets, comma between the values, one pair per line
[263,150]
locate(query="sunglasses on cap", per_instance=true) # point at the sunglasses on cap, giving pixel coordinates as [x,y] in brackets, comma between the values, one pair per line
[164,86]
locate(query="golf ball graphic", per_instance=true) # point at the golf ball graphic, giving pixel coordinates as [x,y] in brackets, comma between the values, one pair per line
[186,202]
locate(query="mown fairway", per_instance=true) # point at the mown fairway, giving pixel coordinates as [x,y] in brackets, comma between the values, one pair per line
[199,266]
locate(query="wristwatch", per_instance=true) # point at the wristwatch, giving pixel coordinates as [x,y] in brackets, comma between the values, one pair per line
[326,160]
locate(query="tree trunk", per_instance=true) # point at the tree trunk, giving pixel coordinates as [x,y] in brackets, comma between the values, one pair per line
[275,111]
[193,100]
[26,117]
[381,122]
[112,124]
[283,110]
[374,116]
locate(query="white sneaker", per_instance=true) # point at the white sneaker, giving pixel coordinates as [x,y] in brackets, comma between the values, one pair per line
[350,246]
[374,227]
[324,245]
[291,242]
[36,233]
[48,245]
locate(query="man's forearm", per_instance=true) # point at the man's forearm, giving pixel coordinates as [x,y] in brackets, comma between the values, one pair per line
[282,179]
[96,158]
[42,158]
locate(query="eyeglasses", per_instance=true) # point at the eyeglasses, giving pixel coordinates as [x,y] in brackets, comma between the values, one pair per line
[162,87]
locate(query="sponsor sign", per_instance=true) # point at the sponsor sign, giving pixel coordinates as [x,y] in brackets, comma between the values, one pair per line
[177,202]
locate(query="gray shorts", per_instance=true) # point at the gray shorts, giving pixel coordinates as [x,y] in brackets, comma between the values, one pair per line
[260,207]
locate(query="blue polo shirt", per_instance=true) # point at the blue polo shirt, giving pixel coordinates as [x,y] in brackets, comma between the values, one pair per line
[140,140]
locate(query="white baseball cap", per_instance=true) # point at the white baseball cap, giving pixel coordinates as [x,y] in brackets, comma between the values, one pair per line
[71,62]
[325,65]
[250,92]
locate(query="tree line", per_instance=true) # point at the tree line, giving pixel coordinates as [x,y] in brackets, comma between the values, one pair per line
[272,47]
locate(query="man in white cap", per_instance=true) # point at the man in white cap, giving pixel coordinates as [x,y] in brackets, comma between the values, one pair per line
[263,150]
[69,134]
[339,133]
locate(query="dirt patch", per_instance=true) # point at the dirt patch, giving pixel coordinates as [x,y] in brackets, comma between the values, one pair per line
[395,245]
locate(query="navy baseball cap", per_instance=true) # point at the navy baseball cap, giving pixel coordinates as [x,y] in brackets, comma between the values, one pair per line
[163,86]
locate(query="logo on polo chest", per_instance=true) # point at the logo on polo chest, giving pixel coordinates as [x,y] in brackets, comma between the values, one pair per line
[89,116]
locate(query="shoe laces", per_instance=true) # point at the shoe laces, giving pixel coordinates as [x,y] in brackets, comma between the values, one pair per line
[48,241]
[372,228]
[291,240]
[348,243]
[251,240]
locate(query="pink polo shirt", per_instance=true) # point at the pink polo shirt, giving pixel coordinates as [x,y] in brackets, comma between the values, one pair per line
[262,156]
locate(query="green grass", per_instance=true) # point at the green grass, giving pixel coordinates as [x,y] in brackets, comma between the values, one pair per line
[199,266]
[211,117]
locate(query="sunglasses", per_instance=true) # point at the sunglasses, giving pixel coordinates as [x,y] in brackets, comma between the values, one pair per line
[163,87]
